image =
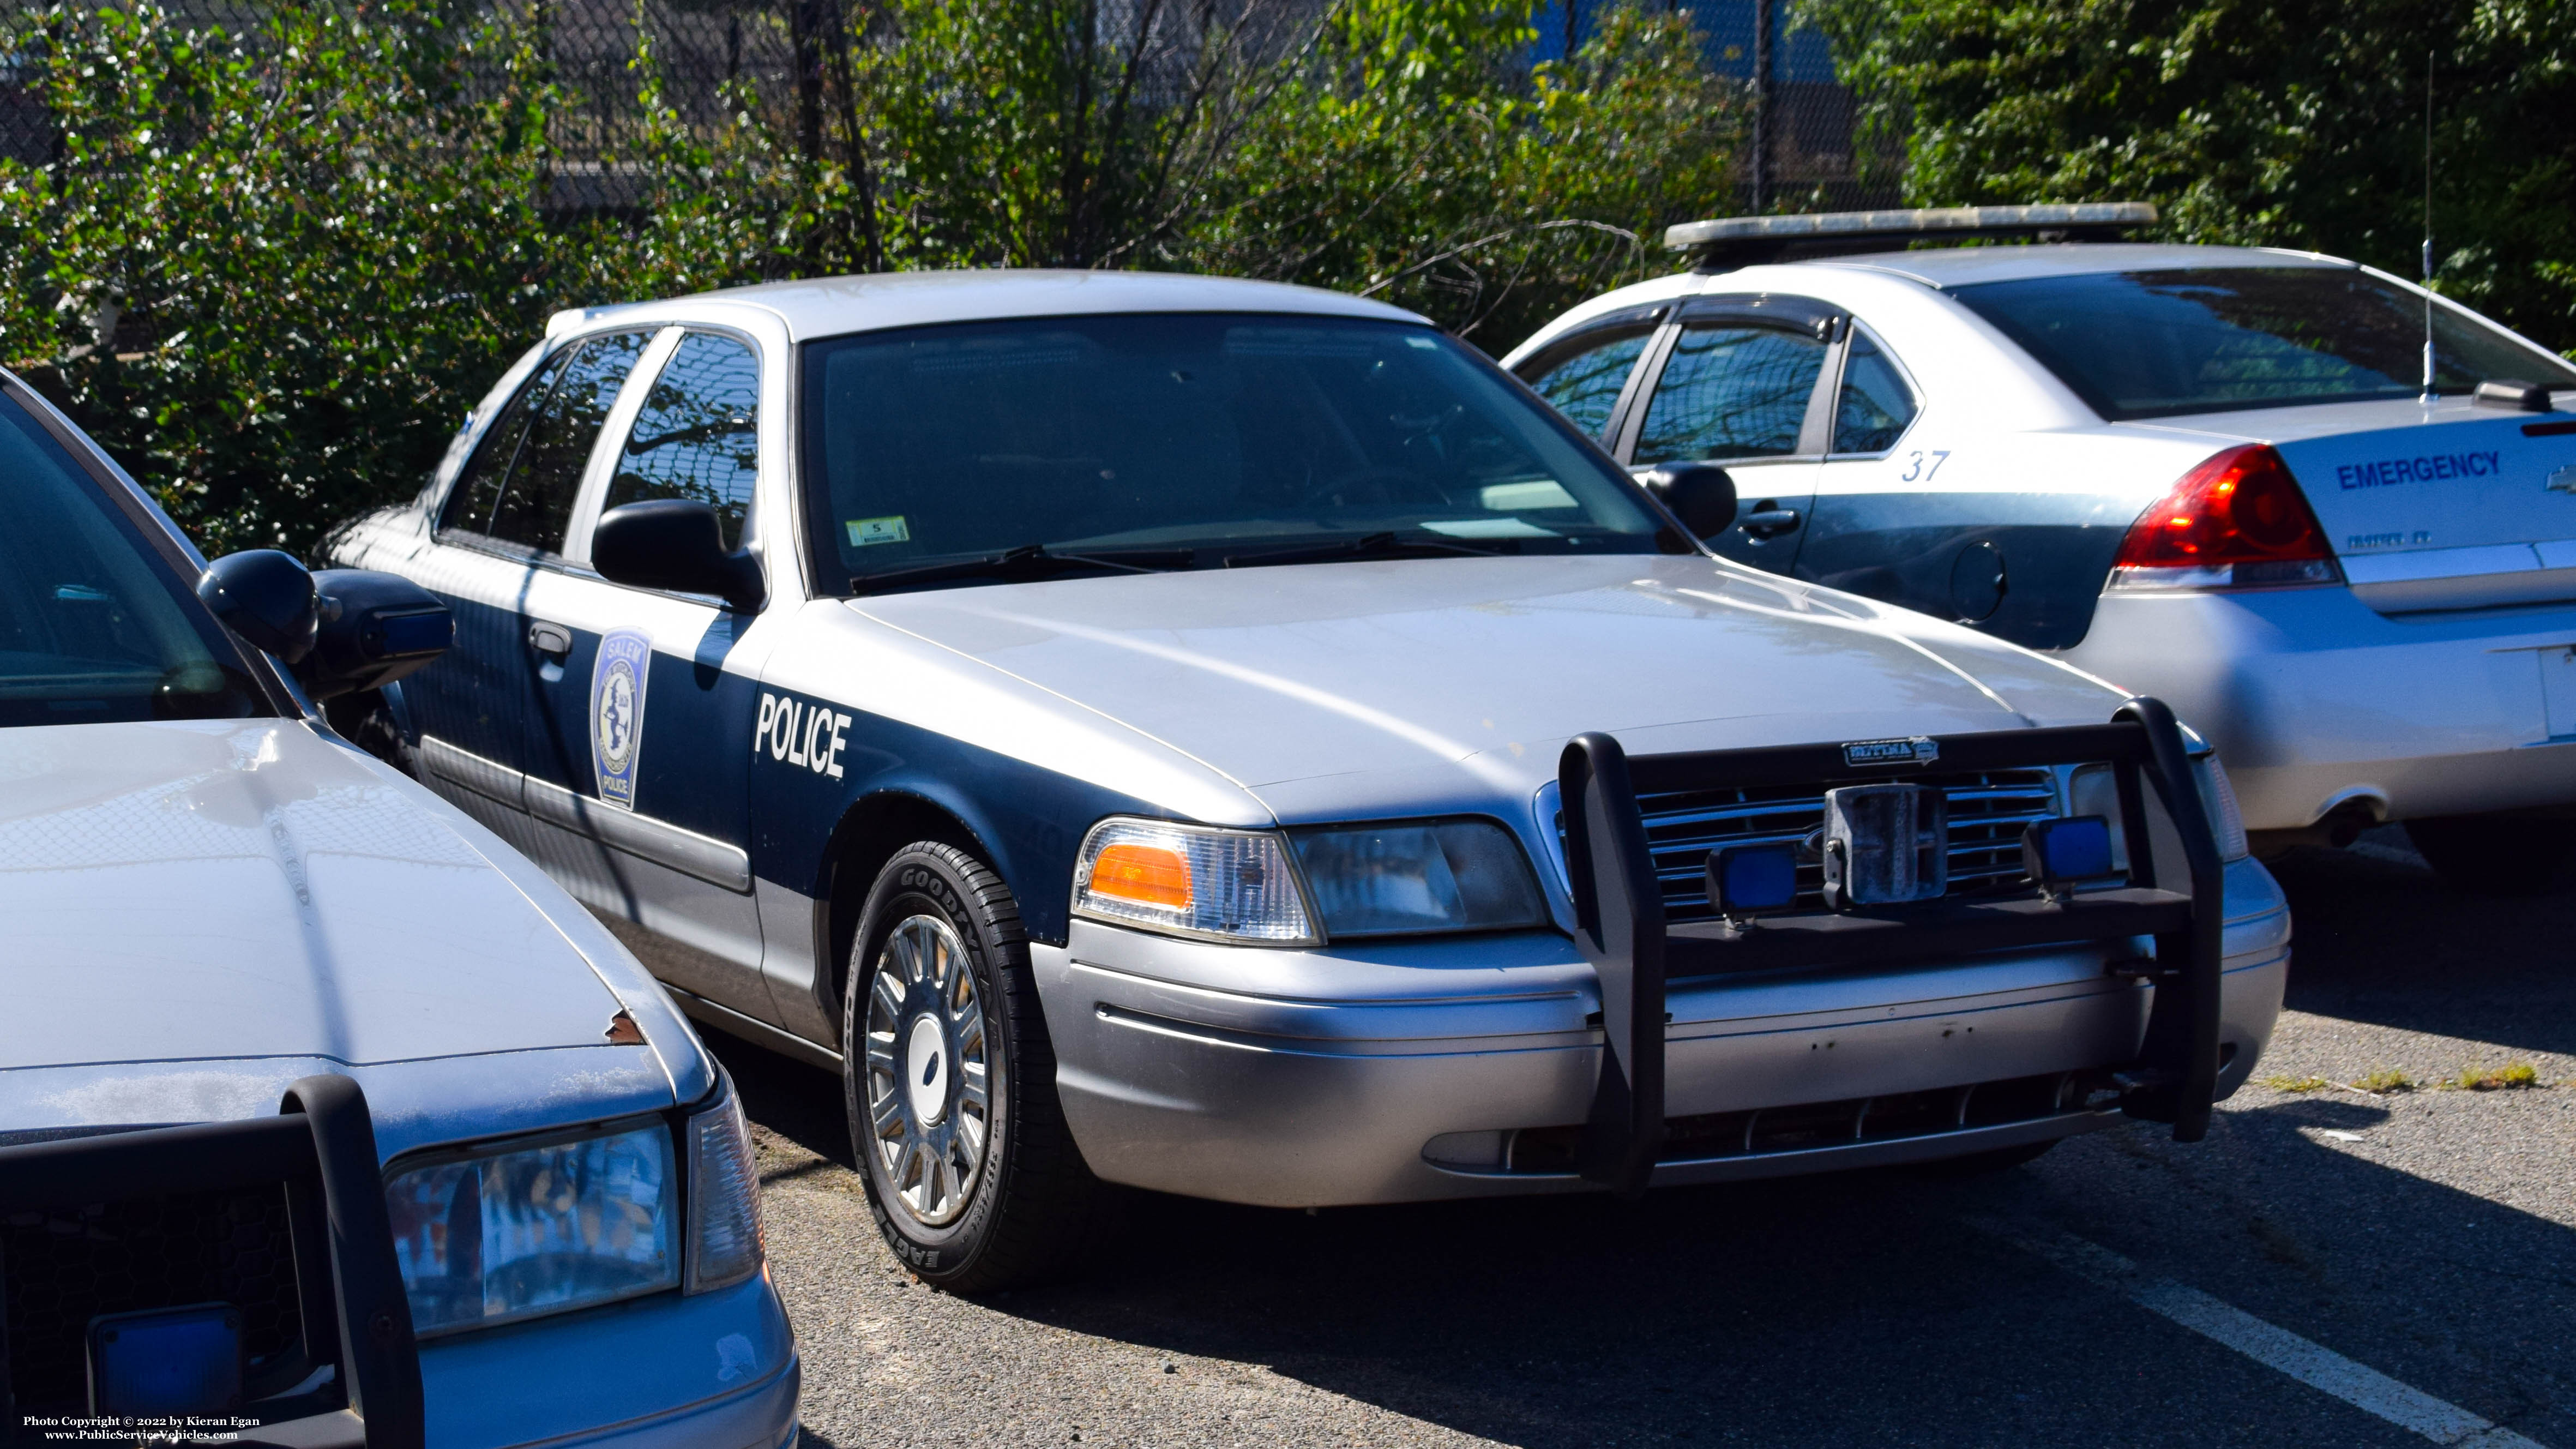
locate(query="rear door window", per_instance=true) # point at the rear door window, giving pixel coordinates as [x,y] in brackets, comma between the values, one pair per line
[1876,405]
[556,420]
[1732,389]
[697,435]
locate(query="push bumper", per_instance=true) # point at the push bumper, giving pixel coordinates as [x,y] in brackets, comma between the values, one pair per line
[2314,699]
[1396,1073]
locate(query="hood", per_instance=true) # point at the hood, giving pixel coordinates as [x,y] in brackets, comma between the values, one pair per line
[201,891]
[1276,675]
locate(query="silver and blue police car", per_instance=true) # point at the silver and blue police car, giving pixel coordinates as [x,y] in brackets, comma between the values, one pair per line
[1232,739]
[2218,475]
[325,1117]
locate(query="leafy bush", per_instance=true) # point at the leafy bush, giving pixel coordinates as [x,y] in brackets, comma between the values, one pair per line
[1403,148]
[271,271]
[2296,124]
[332,250]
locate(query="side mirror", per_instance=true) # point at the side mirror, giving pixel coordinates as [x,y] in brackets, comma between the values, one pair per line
[375,629]
[1701,495]
[675,544]
[266,597]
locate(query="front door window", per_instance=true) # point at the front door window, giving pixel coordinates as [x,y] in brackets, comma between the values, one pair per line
[1585,383]
[698,433]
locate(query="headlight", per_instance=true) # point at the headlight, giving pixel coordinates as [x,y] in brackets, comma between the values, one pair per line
[2219,798]
[724,1198]
[1418,876]
[500,1235]
[1191,880]
[2093,792]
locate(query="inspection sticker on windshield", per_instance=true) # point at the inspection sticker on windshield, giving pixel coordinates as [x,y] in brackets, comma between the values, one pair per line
[1916,751]
[617,682]
[865,531]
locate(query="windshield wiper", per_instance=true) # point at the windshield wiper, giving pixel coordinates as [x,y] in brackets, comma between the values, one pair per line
[1370,545]
[1028,561]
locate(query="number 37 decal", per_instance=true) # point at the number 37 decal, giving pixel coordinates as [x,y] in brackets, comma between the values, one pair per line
[1916,472]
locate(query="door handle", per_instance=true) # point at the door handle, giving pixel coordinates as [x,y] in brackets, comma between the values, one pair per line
[1768,520]
[552,640]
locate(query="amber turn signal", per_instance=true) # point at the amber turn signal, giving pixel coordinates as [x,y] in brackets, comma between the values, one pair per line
[1149,875]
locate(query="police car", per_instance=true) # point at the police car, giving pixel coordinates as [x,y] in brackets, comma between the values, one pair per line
[325,1118]
[2212,474]
[1231,739]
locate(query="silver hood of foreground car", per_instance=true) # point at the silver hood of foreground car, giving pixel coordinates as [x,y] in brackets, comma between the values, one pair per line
[1325,686]
[193,914]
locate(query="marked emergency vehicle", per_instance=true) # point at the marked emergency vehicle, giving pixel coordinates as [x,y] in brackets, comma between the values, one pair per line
[2211,474]
[326,1119]
[1232,739]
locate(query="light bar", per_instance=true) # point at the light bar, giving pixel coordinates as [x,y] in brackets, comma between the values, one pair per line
[1907,225]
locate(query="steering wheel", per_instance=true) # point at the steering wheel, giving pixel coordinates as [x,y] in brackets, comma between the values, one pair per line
[1374,484]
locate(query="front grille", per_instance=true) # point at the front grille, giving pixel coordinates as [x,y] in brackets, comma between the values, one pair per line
[60,1269]
[1987,812]
[1808,1125]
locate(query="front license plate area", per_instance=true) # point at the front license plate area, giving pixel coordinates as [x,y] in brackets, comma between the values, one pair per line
[1885,845]
[166,1362]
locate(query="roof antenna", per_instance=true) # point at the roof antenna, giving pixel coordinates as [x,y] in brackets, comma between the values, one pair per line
[2428,227]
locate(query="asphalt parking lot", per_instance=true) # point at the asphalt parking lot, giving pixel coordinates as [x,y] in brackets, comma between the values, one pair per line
[2410,1249]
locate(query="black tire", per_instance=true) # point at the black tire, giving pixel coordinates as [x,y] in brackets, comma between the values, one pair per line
[2494,855]
[1986,1164]
[1021,1210]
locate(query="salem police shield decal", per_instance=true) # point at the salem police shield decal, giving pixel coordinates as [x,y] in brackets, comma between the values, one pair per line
[617,712]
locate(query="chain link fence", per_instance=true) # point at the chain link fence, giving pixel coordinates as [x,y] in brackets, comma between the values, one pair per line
[1805,154]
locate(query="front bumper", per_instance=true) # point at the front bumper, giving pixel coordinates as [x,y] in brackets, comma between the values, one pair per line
[2314,699]
[1337,1076]
[703,1371]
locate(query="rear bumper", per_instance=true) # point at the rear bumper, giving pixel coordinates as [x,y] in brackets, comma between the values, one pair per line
[1312,1078]
[2313,699]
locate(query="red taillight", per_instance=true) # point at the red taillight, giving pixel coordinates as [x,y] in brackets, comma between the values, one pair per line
[2238,518]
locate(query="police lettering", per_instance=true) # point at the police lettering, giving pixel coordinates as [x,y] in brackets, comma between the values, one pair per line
[797,733]
[2432,468]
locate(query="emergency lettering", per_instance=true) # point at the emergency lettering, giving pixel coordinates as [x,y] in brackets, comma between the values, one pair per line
[2429,468]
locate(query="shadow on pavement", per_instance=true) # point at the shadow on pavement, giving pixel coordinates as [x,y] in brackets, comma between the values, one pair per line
[1863,1308]
[2388,943]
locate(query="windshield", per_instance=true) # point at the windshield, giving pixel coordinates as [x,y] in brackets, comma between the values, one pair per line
[93,628]
[2156,344]
[1211,438]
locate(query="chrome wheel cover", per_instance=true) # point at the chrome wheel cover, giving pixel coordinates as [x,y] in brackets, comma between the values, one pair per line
[930,1104]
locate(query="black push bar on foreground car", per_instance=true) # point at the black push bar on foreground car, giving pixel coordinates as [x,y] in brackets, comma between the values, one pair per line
[319,1154]
[1622,929]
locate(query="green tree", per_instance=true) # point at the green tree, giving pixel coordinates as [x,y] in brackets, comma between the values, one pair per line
[1405,148]
[271,271]
[332,248]
[2283,123]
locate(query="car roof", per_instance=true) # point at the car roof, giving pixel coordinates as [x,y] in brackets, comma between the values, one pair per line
[831,306]
[1946,267]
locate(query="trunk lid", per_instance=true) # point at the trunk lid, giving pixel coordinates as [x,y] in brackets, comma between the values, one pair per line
[2455,506]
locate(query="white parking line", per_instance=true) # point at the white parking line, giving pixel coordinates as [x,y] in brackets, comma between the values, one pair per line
[2313,1364]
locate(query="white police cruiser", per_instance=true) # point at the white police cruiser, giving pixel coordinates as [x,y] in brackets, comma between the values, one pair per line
[1230,738]
[325,1118]
[2212,474]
